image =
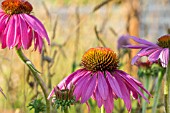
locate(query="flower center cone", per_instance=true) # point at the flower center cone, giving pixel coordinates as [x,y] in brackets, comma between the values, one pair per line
[100,59]
[16,7]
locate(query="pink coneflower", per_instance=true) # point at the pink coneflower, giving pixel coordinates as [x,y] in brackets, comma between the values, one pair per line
[154,52]
[100,79]
[18,28]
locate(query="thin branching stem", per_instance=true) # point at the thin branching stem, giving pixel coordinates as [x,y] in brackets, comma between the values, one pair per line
[35,73]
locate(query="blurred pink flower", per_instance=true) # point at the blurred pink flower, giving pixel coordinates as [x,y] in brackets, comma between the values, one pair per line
[154,52]
[101,80]
[18,28]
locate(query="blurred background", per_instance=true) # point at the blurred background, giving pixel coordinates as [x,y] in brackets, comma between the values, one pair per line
[74,26]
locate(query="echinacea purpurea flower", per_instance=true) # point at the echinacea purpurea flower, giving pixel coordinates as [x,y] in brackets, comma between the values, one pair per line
[18,28]
[102,80]
[154,52]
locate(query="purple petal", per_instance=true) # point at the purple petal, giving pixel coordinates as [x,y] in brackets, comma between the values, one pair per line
[4,41]
[155,55]
[146,51]
[142,41]
[30,35]
[81,85]
[128,80]
[98,98]
[135,58]
[102,86]
[136,46]
[11,32]
[24,34]
[114,84]
[79,72]
[51,94]
[69,78]
[124,90]
[36,26]
[164,57]
[3,21]
[86,94]
[108,104]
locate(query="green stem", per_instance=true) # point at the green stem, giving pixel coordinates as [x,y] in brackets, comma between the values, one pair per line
[35,73]
[156,97]
[102,109]
[167,89]
[66,110]
[144,103]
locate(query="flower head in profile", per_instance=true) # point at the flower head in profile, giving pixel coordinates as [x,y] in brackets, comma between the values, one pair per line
[18,28]
[154,52]
[100,79]
[63,98]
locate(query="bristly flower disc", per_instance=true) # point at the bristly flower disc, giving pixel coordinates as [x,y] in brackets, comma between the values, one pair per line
[100,59]
[164,41]
[16,7]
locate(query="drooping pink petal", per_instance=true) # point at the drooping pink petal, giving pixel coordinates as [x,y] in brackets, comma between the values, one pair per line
[40,43]
[3,21]
[134,93]
[11,32]
[24,34]
[136,46]
[108,104]
[4,41]
[86,94]
[81,85]
[69,78]
[128,80]
[76,78]
[51,94]
[36,25]
[114,84]
[135,59]
[98,98]
[140,85]
[146,51]
[102,86]
[155,55]
[125,92]
[164,57]
[142,41]
[30,35]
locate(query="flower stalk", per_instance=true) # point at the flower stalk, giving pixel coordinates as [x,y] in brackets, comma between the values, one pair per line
[144,103]
[35,73]
[167,89]
[156,97]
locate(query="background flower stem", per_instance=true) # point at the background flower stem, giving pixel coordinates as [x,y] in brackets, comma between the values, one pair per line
[146,83]
[167,89]
[66,110]
[35,73]
[102,109]
[156,96]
